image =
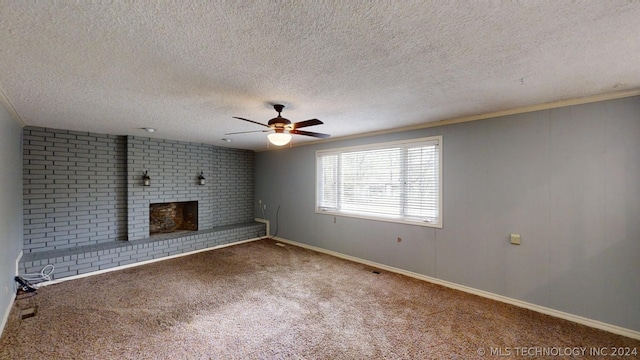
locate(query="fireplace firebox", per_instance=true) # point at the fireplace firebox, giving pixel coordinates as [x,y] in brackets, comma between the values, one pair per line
[173,216]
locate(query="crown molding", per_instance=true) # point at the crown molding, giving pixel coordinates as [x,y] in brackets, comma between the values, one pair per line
[4,100]
[484,116]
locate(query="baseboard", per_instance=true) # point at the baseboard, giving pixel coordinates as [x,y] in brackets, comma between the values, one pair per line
[98,272]
[266,222]
[7,311]
[523,304]
[18,263]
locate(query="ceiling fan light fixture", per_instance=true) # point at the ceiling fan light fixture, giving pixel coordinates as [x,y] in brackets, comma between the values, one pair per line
[279,139]
[283,128]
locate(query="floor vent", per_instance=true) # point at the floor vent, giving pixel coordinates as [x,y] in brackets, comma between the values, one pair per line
[28,312]
[281,244]
[372,270]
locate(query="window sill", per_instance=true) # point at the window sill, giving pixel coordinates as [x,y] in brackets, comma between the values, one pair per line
[379,218]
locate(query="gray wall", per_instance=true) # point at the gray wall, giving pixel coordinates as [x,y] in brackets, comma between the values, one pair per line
[567,180]
[227,197]
[11,209]
[74,189]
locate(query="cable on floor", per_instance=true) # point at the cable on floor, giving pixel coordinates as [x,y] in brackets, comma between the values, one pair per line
[36,278]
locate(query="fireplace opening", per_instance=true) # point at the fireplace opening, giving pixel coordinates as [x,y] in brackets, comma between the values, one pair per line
[174,216]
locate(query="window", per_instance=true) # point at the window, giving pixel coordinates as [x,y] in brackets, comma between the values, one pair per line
[397,181]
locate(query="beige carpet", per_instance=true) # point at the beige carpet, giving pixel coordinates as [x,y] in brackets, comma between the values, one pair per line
[262,301]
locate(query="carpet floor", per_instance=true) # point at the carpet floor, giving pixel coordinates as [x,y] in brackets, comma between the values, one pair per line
[262,301]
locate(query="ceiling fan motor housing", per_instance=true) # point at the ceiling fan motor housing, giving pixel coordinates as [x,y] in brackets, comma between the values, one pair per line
[279,122]
[281,125]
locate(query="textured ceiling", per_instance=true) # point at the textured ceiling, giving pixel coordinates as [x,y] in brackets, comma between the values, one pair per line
[186,68]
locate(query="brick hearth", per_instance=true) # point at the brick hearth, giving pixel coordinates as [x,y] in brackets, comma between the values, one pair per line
[85,207]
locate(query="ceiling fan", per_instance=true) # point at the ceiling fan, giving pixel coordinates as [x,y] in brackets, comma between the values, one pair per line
[283,128]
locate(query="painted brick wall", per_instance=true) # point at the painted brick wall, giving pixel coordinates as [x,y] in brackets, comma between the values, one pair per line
[85,188]
[74,188]
[227,197]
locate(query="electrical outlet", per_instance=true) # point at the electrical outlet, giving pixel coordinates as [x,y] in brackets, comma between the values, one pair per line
[6,290]
[264,206]
[515,239]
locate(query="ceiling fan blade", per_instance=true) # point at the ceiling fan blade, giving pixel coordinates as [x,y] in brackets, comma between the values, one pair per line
[251,121]
[306,123]
[309,133]
[246,132]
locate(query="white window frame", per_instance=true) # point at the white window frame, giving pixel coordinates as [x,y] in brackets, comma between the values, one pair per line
[380,217]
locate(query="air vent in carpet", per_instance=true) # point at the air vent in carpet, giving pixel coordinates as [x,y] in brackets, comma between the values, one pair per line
[373,270]
[28,312]
[281,244]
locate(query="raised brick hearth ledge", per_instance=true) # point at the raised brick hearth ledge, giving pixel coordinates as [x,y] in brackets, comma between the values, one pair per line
[85,259]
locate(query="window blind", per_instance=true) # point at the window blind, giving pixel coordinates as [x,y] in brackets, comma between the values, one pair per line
[399,180]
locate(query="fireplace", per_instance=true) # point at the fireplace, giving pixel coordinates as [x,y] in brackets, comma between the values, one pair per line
[173,216]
